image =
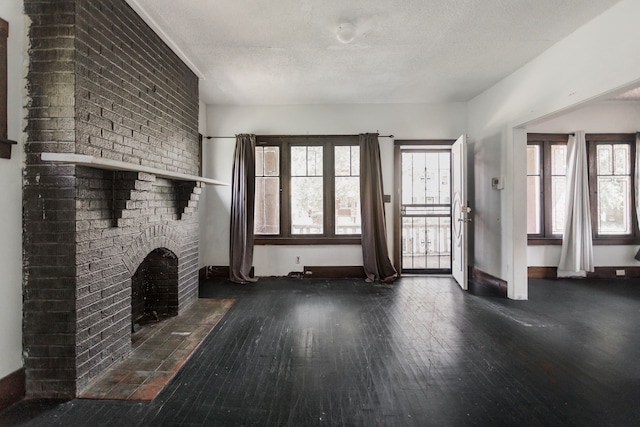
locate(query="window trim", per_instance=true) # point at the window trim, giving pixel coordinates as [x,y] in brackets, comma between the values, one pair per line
[5,143]
[4,35]
[592,139]
[545,141]
[329,237]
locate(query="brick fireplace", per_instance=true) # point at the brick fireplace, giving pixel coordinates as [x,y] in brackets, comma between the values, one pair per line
[101,83]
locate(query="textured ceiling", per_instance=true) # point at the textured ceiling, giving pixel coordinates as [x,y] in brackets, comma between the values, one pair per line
[257,52]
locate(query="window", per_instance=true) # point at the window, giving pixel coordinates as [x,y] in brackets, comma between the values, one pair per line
[611,169]
[307,190]
[546,180]
[611,185]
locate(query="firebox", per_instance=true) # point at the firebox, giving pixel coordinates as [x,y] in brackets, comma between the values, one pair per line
[154,289]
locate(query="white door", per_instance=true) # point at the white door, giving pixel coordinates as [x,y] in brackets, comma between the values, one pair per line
[460,212]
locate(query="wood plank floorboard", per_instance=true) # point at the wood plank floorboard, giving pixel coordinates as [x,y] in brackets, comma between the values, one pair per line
[419,352]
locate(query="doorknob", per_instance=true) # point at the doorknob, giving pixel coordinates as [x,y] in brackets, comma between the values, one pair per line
[465,210]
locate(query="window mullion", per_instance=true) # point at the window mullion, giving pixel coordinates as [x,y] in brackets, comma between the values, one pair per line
[329,189]
[285,190]
[547,216]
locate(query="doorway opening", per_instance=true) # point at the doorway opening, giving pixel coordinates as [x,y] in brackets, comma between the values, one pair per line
[423,207]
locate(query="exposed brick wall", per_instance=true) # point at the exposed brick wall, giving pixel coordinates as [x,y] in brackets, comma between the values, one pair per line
[49,204]
[100,82]
[136,100]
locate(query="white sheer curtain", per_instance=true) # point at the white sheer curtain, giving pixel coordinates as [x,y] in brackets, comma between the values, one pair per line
[576,258]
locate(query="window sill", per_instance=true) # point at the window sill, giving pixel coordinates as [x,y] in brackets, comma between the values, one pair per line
[597,241]
[308,240]
[616,240]
[543,241]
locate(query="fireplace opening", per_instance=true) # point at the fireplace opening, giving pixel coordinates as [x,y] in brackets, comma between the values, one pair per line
[154,289]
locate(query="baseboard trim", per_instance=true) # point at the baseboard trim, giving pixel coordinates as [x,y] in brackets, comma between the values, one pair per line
[217,271]
[334,272]
[599,273]
[213,271]
[542,272]
[485,284]
[12,388]
[610,273]
[320,272]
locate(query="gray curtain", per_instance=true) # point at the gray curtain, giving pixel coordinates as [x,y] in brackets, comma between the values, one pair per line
[242,210]
[375,254]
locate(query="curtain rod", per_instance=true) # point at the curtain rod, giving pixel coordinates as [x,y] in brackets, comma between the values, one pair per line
[272,136]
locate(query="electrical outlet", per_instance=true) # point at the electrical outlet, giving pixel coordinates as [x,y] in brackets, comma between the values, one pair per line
[297,260]
[620,273]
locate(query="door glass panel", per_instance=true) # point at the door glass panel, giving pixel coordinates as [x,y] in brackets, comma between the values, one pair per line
[426,210]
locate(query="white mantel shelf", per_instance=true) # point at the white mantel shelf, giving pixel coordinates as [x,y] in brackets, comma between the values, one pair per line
[100,163]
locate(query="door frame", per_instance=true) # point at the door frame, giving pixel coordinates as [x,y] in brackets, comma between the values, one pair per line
[397,176]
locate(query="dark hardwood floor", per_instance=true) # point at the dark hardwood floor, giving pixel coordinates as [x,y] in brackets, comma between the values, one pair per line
[420,352]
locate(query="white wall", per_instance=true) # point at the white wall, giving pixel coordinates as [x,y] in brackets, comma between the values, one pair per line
[11,196]
[597,117]
[202,118]
[202,129]
[602,117]
[598,58]
[405,121]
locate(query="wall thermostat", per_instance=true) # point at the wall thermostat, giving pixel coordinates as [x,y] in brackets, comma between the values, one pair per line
[497,183]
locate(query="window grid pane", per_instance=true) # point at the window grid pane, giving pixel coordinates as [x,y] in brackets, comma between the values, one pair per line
[307,190]
[533,160]
[534,207]
[559,159]
[307,204]
[347,189]
[534,195]
[558,188]
[267,198]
